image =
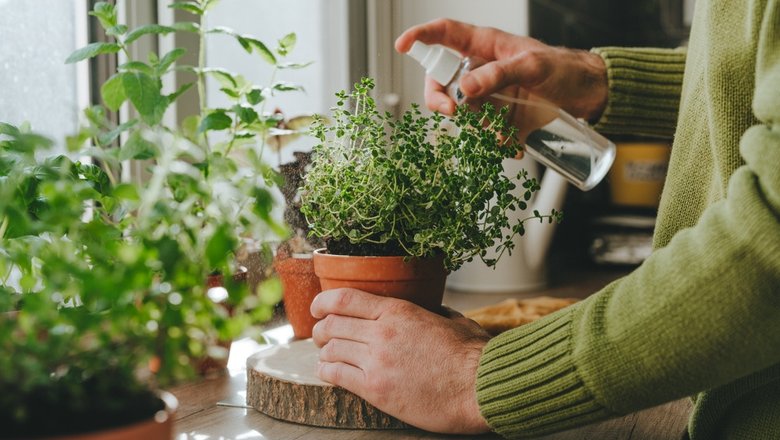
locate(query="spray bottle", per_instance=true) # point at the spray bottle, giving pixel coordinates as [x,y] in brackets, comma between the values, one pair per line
[557,139]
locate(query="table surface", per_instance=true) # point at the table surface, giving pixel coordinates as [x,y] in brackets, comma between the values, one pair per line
[215,408]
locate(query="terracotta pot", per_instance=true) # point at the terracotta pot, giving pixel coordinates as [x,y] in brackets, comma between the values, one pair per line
[420,281]
[299,287]
[157,427]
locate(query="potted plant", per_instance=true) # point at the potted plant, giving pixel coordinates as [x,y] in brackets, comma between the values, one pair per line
[103,297]
[293,260]
[400,203]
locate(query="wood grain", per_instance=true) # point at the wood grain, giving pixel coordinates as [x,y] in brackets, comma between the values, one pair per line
[200,416]
[282,383]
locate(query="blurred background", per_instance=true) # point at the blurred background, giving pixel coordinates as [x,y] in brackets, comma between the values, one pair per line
[345,40]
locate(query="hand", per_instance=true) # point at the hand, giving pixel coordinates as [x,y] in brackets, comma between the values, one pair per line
[515,66]
[413,364]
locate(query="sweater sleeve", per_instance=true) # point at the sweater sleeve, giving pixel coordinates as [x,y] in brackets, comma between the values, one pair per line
[699,313]
[644,90]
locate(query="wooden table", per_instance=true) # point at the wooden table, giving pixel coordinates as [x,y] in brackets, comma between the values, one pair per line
[215,409]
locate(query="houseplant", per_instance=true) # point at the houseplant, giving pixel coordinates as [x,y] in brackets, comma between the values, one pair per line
[413,192]
[102,282]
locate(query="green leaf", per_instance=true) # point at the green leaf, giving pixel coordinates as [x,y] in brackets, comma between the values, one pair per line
[222,30]
[233,93]
[8,129]
[255,96]
[106,13]
[187,6]
[147,29]
[113,92]
[215,121]
[244,43]
[286,44]
[126,191]
[173,96]
[137,66]
[225,78]
[189,127]
[186,26]
[75,142]
[219,246]
[284,86]
[270,291]
[246,113]
[262,49]
[91,50]
[294,66]
[143,91]
[137,147]
[210,4]
[110,136]
[168,59]
[288,41]
[117,30]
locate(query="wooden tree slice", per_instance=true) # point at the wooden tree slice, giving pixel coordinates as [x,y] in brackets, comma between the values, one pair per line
[282,383]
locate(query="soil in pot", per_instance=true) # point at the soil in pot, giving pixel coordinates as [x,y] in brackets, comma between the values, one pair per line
[299,287]
[420,281]
[114,413]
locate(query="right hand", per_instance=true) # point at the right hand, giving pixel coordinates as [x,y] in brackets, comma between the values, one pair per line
[516,66]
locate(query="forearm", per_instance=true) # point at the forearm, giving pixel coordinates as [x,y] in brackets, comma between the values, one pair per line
[699,313]
[644,90]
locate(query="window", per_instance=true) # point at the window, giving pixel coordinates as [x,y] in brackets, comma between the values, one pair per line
[36,85]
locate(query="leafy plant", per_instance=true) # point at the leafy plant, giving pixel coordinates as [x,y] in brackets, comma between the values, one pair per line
[102,282]
[414,187]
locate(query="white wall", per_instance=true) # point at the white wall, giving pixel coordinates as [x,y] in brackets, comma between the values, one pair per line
[321,30]
[507,15]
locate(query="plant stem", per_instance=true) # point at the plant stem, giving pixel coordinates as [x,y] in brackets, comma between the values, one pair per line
[4,226]
[262,112]
[201,75]
[156,183]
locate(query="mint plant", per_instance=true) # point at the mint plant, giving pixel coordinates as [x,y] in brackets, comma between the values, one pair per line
[102,282]
[415,187]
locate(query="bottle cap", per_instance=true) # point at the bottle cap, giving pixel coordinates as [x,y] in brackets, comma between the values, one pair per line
[440,63]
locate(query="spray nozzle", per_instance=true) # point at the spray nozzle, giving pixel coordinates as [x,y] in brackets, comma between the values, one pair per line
[440,63]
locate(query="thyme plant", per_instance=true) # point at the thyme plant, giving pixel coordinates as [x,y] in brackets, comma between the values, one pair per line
[413,186]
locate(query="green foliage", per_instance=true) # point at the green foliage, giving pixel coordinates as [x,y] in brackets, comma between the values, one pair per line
[106,279]
[92,50]
[414,183]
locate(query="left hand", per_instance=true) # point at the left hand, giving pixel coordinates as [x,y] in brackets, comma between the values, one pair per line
[413,364]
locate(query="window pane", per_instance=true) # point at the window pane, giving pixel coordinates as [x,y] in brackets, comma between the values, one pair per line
[36,84]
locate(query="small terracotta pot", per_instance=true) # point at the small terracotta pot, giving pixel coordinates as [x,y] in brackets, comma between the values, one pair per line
[299,287]
[157,427]
[420,281]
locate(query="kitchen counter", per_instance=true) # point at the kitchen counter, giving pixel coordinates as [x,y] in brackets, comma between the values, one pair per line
[215,408]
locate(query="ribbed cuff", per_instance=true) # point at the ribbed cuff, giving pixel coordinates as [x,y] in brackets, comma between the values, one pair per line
[527,383]
[644,90]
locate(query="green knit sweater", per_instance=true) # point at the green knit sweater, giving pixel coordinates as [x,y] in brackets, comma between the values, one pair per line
[702,314]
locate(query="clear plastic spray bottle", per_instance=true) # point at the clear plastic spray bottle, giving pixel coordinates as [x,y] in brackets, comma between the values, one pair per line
[557,139]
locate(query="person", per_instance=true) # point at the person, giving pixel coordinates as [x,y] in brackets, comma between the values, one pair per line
[701,316]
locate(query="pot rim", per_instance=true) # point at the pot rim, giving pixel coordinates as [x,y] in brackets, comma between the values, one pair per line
[323,252]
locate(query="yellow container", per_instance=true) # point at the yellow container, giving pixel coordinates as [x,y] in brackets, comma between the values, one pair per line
[637,176]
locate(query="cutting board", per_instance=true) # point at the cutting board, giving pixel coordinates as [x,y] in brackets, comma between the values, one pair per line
[282,383]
